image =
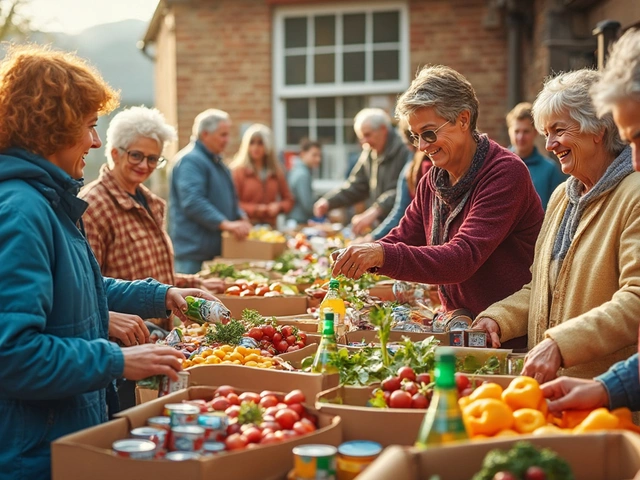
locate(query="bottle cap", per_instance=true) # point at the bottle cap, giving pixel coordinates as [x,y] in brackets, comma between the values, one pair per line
[333,283]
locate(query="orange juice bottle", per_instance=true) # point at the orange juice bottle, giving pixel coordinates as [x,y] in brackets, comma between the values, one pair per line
[334,301]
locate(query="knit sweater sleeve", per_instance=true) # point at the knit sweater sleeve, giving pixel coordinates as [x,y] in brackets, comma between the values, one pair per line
[502,195]
[511,314]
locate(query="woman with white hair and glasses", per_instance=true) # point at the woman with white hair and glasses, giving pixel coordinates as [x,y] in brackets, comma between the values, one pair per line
[582,307]
[473,224]
[124,220]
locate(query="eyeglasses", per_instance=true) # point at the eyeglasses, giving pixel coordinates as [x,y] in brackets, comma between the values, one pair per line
[428,136]
[135,158]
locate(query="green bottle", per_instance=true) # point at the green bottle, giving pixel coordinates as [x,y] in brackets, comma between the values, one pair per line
[327,346]
[443,421]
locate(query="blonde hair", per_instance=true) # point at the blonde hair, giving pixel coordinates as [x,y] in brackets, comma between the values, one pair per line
[242,159]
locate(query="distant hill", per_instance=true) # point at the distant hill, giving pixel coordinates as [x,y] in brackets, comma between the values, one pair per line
[111,48]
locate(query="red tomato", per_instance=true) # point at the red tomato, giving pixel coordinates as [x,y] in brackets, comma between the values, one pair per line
[271,410]
[281,346]
[466,392]
[233,428]
[268,418]
[291,339]
[224,391]
[220,403]
[236,442]
[266,431]
[298,408]
[406,372]
[462,382]
[253,434]
[387,397]
[255,333]
[292,348]
[286,330]
[303,427]
[233,399]
[423,378]
[391,384]
[419,401]
[271,425]
[535,473]
[287,434]
[303,337]
[286,418]
[282,405]
[294,396]
[232,411]
[400,399]
[277,337]
[300,344]
[265,393]
[311,418]
[268,401]
[268,330]
[410,387]
[270,438]
[250,397]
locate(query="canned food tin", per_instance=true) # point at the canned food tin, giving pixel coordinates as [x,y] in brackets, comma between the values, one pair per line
[315,462]
[134,448]
[163,423]
[213,448]
[182,456]
[355,456]
[168,386]
[182,414]
[186,438]
[214,424]
[156,435]
[200,311]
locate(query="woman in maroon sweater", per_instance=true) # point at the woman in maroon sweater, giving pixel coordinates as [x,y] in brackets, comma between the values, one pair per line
[472,227]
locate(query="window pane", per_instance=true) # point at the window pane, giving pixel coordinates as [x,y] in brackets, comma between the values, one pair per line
[295,32]
[386,27]
[295,134]
[353,66]
[298,108]
[326,107]
[385,65]
[325,68]
[327,135]
[351,106]
[353,29]
[349,135]
[295,70]
[325,30]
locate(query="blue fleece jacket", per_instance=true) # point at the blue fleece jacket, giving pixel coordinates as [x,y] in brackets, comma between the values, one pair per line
[622,384]
[54,350]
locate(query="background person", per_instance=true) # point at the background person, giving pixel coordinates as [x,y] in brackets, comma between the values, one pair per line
[202,198]
[300,180]
[58,366]
[582,307]
[374,176]
[545,173]
[260,183]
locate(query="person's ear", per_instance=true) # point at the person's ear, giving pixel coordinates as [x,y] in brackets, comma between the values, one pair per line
[465,119]
[115,153]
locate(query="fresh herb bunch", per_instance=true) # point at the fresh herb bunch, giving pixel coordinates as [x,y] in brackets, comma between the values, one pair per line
[223,270]
[420,356]
[252,317]
[471,364]
[229,334]
[520,458]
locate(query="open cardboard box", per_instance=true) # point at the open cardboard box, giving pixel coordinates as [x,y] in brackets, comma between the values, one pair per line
[305,322]
[87,454]
[254,249]
[599,456]
[371,336]
[267,307]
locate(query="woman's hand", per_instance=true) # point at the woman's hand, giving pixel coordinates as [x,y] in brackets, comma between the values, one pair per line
[143,361]
[543,361]
[129,329]
[492,328]
[359,223]
[567,393]
[355,260]
[178,305]
[273,209]
[215,285]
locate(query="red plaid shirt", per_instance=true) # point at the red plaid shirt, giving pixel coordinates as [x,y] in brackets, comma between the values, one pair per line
[128,242]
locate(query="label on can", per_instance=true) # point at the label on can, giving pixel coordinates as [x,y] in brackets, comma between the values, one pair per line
[200,311]
[214,424]
[188,438]
[134,448]
[182,414]
[156,435]
[168,386]
[315,462]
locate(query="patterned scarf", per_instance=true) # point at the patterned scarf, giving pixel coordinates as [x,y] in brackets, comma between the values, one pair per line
[450,200]
[615,173]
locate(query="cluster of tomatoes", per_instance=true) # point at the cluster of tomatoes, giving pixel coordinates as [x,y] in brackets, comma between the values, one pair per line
[260,419]
[277,339]
[246,288]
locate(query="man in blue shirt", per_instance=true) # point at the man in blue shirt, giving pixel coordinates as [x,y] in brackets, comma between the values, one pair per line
[202,200]
[545,173]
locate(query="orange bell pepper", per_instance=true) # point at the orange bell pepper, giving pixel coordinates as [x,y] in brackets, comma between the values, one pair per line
[522,392]
[599,419]
[626,420]
[486,390]
[487,416]
[572,418]
[526,420]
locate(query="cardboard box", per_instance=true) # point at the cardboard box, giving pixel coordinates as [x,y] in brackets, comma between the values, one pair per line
[611,456]
[253,249]
[371,336]
[306,323]
[87,454]
[383,292]
[269,306]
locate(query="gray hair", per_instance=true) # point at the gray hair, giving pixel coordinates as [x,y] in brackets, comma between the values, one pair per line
[137,122]
[569,92]
[442,88]
[621,76]
[208,121]
[374,117]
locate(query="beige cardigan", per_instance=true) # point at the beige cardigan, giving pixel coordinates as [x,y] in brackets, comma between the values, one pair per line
[594,311]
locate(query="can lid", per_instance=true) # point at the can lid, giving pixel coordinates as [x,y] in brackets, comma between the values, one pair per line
[181,456]
[182,407]
[133,445]
[360,448]
[213,447]
[159,420]
[315,450]
[146,431]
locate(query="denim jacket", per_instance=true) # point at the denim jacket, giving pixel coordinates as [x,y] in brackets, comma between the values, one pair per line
[622,384]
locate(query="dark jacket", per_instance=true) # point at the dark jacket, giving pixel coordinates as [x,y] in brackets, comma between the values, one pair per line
[55,356]
[301,185]
[373,177]
[202,195]
[622,384]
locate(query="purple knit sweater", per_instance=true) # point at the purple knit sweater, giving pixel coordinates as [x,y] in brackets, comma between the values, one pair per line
[491,242]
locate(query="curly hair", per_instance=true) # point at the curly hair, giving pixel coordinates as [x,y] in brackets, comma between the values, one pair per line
[46,97]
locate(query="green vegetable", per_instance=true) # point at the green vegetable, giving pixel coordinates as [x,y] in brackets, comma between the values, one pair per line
[522,456]
[229,334]
[223,270]
[378,400]
[252,317]
[250,413]
[380,316]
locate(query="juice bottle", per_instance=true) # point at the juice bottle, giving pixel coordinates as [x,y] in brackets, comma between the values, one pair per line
[334,301]
[327,346]
[443,421]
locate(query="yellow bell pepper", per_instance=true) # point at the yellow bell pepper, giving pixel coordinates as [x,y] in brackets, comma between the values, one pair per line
[487,416]
[486,390]
[626,419]
[548,430]
[506,433]
[522,392]
[526,420]
[599,419]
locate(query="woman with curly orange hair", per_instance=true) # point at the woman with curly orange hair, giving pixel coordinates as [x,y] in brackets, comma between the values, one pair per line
[58,366]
